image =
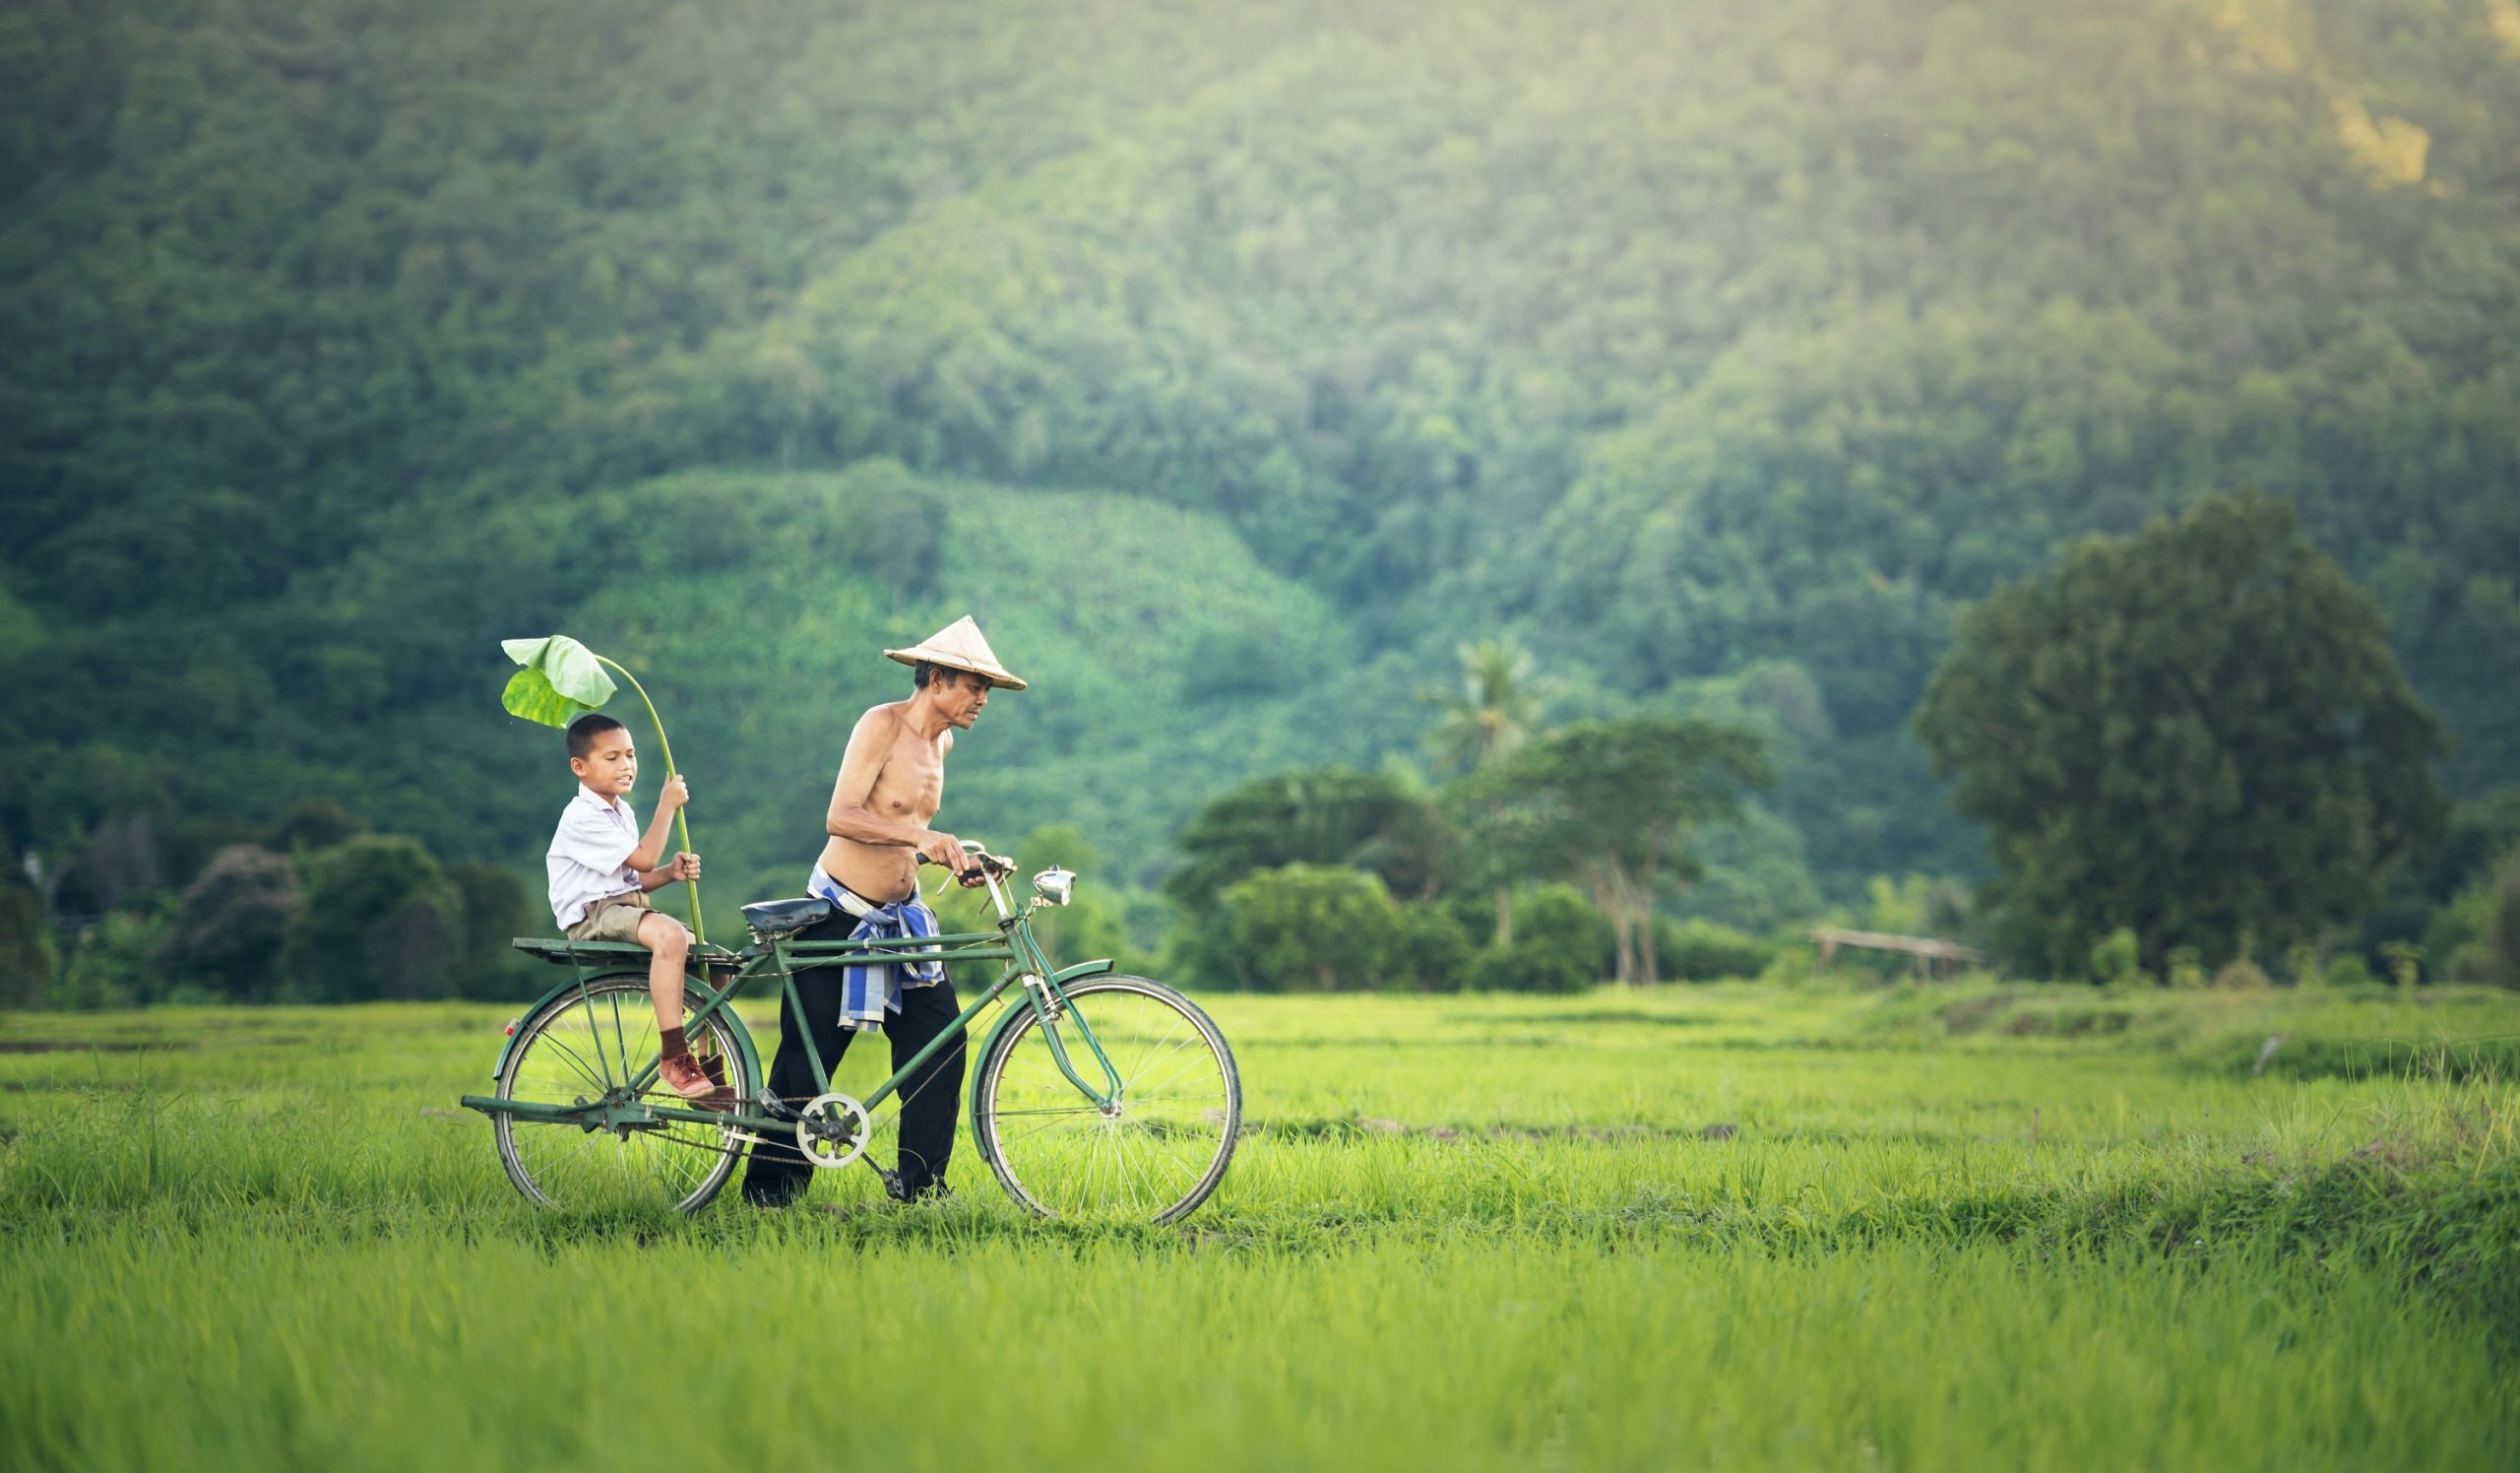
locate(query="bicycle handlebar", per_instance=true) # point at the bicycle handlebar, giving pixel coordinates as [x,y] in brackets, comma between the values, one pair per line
[989,863]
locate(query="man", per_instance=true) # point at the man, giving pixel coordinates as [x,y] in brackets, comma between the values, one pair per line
[892,782]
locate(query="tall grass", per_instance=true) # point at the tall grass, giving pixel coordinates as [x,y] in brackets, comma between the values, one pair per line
[1692,1228]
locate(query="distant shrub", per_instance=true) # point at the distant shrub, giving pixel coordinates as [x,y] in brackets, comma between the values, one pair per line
[1791,966]
[2185,967]
[2243,972]
[312,824]
[27,960]
[494,910]
[117,963]
[1561,944]
[1706,952]
[2498,940]
[2118,959]
[1560,916]
[2476,936]
[1527,968]
[381,919]
[231,921]
[2351,970]
[1434,953]
[1310,927]
[2455,934]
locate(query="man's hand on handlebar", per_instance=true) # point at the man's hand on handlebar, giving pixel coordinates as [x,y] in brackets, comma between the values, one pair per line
[970,864]
[984,865]
[941,848]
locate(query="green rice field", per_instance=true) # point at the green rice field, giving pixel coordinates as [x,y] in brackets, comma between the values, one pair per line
[1907,1228]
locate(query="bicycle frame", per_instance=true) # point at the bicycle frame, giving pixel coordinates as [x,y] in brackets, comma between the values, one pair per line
[1012,942]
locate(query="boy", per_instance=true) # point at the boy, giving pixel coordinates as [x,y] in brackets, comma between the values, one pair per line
[603,868]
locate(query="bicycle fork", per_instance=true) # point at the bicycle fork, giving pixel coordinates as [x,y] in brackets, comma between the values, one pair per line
[1051,1006]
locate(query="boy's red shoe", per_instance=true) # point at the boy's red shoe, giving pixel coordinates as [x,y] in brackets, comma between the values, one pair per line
[683,1075]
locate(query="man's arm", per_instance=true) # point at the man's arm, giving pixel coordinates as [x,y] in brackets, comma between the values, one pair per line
[870,745]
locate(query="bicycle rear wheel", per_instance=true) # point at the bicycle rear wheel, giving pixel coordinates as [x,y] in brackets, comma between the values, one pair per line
[583,1048]
[1154,1150]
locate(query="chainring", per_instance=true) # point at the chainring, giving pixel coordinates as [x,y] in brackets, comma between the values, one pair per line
[832,1131]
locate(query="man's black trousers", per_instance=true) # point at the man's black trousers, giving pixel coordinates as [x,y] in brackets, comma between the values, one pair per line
[932,1099]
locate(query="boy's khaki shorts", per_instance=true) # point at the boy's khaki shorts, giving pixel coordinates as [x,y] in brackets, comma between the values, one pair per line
[616,918]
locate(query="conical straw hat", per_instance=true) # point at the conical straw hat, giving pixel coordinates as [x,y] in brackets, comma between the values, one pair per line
[959,646]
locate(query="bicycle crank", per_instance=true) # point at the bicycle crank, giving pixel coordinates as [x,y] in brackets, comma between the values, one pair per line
[833,1130]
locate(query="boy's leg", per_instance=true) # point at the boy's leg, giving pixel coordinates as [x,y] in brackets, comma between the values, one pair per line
[669,946]
[932,1097]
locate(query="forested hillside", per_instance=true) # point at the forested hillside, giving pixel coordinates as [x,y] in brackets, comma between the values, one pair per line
[1234,363]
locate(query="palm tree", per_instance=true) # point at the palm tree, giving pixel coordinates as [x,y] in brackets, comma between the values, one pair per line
[1495,711]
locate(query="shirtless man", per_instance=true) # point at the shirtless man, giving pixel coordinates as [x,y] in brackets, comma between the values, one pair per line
[892,782]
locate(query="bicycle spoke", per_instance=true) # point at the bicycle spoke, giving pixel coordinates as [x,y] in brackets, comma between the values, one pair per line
[579,1062]
[1151,1151]
[669,1163]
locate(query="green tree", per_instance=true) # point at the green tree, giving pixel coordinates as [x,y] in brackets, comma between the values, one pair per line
[1489,716]
[26,956]
[381,920]
[1311,928]
[118,962]
[1613,803]
[1445,355]
[311,823]
[1494,711]
[1330,816]
[1430,952]
[2498,940]
[493,910]
[1563,945]
[231,920]
[2197,732]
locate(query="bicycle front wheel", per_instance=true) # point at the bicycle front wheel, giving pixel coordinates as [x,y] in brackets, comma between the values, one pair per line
[1152,1150]
[582,1049]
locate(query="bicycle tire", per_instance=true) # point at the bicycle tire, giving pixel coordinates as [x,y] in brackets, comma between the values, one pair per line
[1060,1155]
[587,1042]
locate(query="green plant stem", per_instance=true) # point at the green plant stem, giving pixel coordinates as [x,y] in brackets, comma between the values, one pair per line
[681,825]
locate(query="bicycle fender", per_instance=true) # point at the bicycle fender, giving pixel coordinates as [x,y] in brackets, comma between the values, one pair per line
[1011,1015]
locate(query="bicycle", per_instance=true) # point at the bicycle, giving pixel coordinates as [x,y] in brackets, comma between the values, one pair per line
[1096,1093]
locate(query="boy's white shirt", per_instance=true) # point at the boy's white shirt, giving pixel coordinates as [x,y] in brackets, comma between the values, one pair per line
[588,857]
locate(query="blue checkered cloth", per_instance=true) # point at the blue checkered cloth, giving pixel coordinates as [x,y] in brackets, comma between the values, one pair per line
[870,989]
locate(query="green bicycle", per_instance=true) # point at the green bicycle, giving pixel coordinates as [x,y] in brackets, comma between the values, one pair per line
[1097,1094]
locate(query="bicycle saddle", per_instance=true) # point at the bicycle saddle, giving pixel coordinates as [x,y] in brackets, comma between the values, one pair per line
[773,919]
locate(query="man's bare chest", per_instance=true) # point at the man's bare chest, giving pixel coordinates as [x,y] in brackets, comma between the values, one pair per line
[912,785]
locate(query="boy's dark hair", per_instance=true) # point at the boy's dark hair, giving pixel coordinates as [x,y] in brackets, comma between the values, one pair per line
[585,729]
